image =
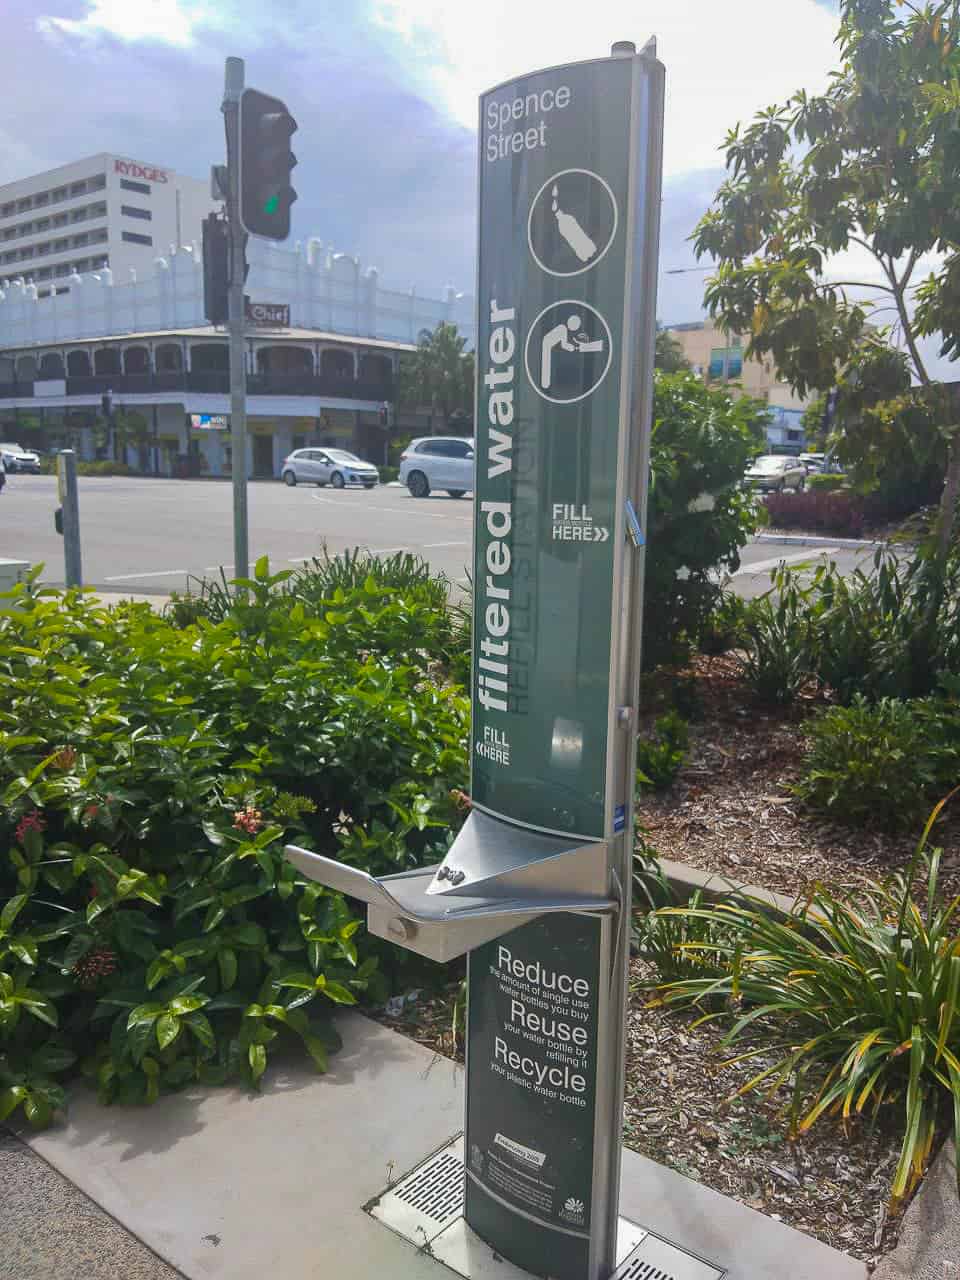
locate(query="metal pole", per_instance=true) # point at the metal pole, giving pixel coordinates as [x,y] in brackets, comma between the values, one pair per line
[232,89]
[639,354]
[67,484]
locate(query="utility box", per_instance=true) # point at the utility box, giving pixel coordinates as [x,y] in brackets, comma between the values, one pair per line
[11,573]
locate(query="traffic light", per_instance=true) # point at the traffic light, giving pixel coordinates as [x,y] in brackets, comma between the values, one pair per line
[266,160]
[215,268]
[384,414]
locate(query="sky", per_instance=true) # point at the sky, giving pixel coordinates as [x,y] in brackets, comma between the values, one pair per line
[385,95]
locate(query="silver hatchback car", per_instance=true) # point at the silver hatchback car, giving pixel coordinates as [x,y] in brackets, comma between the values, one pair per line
[335,467]
[438,462]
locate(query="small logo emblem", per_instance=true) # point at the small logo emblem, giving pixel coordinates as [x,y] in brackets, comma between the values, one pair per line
[573,1210]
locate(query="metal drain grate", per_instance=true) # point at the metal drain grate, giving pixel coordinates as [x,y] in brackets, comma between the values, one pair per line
[436,1189]
[426,1207]
[656,1259]
[428,1199]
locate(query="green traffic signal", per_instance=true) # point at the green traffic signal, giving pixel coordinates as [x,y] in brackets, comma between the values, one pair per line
[265,162]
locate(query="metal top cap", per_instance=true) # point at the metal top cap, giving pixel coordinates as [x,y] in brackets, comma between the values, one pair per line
[623,49]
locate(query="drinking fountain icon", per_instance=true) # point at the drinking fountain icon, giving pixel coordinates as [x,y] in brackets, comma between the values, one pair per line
[565,336]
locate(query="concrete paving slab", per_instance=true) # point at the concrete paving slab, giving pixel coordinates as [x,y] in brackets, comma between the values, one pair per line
[929,1247]
[49,1230]
[226,1185]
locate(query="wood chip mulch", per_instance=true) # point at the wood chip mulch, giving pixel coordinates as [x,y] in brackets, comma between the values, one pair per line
[829,1184]
[731,811]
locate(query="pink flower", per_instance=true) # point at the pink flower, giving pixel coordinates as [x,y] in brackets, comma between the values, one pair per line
[248,820]
[31,821]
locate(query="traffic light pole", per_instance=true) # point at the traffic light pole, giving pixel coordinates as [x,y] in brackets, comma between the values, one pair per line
[232,90]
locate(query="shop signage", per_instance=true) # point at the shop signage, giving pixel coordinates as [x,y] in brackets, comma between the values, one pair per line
[146,173]
[267,315]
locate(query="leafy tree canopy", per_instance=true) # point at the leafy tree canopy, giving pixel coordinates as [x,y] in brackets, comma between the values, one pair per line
[869,165]
[668,354]
[439,374]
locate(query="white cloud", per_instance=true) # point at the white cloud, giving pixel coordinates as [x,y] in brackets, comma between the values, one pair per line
[169,21]
[723,62]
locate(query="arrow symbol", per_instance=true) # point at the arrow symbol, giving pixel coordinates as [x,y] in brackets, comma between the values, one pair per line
[601,534]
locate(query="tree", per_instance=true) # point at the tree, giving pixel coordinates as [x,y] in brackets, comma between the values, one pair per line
[698,513]
[668,354]
[870,165]
[440,374]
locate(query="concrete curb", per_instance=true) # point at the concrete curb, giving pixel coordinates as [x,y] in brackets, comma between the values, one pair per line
[815,540]
[685,881]
[929,1247]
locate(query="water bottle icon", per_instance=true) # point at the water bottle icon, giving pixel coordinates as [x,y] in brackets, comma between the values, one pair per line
[571,230]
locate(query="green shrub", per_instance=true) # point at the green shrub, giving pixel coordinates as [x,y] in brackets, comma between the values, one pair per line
[683,944]
[894,632]
[821,482]
[150,929]
[859,994]
[105,468]
[778,645]
[661,753]
[880,763]
[726,626]
[698,516]
[389,474]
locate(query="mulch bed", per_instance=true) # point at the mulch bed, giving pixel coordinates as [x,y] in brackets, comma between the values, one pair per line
[829,1184]
[731,811]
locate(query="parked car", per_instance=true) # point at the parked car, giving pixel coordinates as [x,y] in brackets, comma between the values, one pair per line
[17,459]
[776,472]
[438,462]
[813,462]
[335,467]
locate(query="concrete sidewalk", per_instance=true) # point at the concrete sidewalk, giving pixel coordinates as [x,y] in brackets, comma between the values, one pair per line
[228,1185]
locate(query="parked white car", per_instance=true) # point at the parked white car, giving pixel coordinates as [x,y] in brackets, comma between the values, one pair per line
[18,459]
[776,472]
[335,467]
[438,462]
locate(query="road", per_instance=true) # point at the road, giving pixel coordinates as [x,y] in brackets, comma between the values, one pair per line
[151,536]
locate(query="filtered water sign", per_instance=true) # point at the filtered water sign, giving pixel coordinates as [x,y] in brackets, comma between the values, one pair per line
[569,192]
[554,222]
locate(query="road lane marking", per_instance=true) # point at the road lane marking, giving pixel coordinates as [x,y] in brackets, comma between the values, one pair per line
[159,573]
[429,545]
[762,566]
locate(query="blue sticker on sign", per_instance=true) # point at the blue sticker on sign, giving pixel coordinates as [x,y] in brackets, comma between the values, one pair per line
[620,817]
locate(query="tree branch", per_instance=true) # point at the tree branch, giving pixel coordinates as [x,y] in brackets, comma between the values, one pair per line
[908,334]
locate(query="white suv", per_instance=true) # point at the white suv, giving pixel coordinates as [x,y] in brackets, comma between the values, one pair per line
[16,458]
[438,462]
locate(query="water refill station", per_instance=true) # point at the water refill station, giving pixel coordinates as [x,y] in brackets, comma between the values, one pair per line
[535,889]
